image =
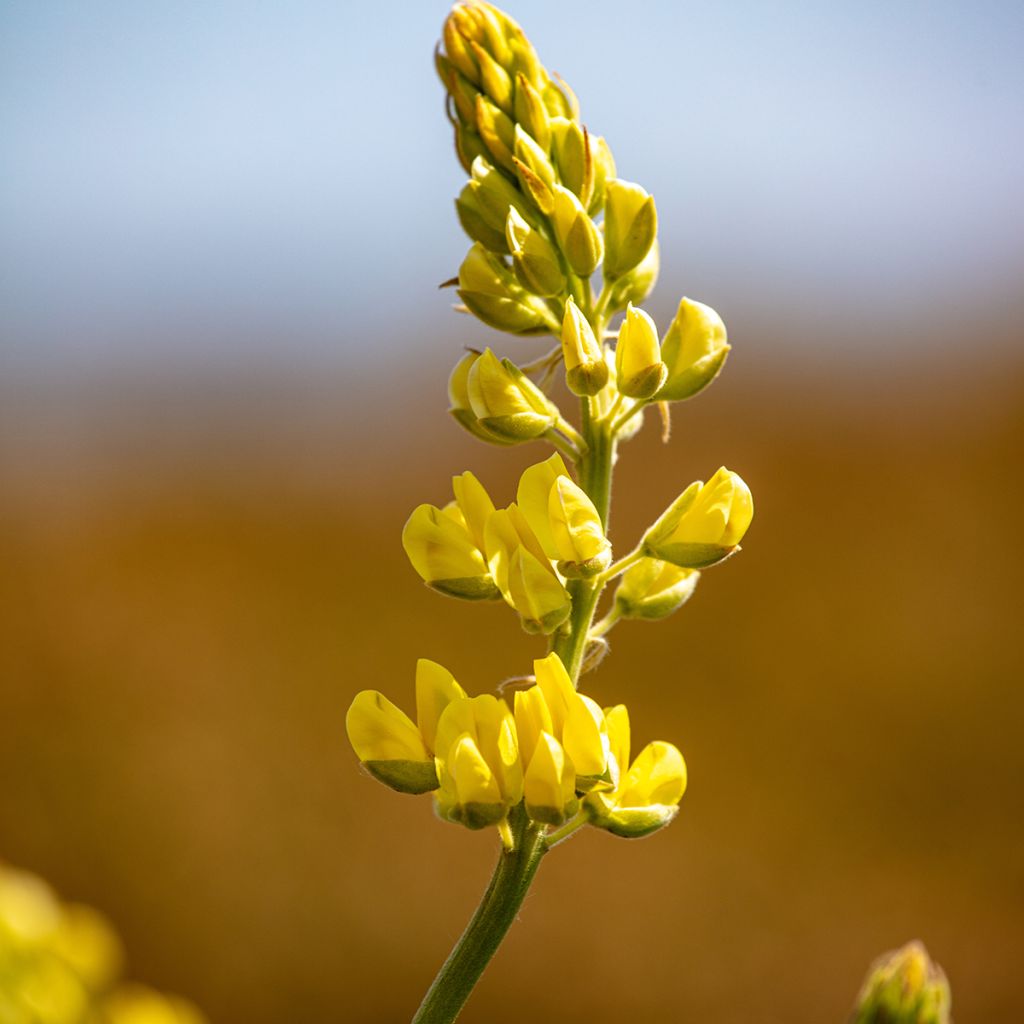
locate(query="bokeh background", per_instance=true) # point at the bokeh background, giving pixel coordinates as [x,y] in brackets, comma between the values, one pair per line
[222,367]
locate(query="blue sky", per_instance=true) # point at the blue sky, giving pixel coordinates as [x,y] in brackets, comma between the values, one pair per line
[184,177]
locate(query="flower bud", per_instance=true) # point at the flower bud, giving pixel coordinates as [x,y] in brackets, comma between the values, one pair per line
[636,285]
[532,718]
[458,50]
[478,762]
[577,235]
[694,350]
[490,291]
[445,555]
[507,530]
[583,549]
[653,589]
[530,155]
[389,745]
[647,797]
[904,987]
[536,261]
[638,367]
[494,79]
[586,371]
[549,785]
[474,221]
[506,402]
[604,171]
[469,146]
[531,113]
[459,405]
[573,157]
[536,188]
[704,524]
[497,130]
[630,227]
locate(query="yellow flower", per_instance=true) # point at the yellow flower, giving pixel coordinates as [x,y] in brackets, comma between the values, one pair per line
[653,589]
[391,747]
[477,759]
[648,792]
[638,366]
[630,227]
[582,547]
[446,546]
[694,350]
[549,786]
[704,524]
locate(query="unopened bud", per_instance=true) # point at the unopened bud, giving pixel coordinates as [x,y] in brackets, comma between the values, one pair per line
[536,261]
[638,366]
[583,549]
[578,236]
[630,227]
[549,785]
[536,593]
[497,130]
[459,405]
[531,113]
[490,291]
[506,401]
[573,157]
[586,371]
[604,171]
[653,589]
[494,79]
[904,987]
[694,350]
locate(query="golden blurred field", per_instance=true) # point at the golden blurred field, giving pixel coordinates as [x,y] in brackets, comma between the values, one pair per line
[196,581]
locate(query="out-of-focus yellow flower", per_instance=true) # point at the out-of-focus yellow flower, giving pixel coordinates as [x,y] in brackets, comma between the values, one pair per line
[649,790]
[586,371]
[904,987]
[506,402]
[549,785]
[694,350]
[630,227]
[638,366]
[652,589]
[390,745]
[478,764]
[446,546]
[704,524]
[582,547]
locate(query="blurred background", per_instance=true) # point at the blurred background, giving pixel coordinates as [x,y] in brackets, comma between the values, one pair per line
[223,359]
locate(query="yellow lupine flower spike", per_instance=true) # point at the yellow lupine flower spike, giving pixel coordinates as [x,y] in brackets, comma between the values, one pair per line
[549,786]
[582,547]
[389,744]
[704,524]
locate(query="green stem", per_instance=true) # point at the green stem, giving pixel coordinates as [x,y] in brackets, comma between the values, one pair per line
[493,918]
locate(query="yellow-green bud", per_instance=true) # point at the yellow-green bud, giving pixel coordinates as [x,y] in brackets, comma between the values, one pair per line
[578,236]
[528,154]
[535,260]
[494,79]
[549,785]
[460,408]
[491,291]
[638,283]
[586,371]
[694,349]
[557,102]
[638,367]
[705,524]
[904,987]
[647,793]
[653,589]
[497,130]
[474,221]
[536,188]
[583,549]
[506,401]
[630,227]
[494,194]
[571,149]
[604,171]
[531,113]
[458,50]
[468,146]
[389,744]
[441,549]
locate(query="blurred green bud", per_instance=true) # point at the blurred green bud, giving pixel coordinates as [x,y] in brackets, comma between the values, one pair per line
[495,194]
[630,227]
[506,402]
[604,171]
[474,221]
[490,291]
[494,79]
[468,146]
[904,987]
[458,49]
[536,261]
[578,236]
[531,113]
[694,350]
[638,366]
[638,283]
[557,101]
[653,589]
[459,405]
[497,130]
[571,149]
[536,188]
[529,153]
[464,96]
[586,371]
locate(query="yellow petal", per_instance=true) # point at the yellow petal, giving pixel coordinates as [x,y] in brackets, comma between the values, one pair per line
[575,525]
[657,776]
[549,784]
[555,684]
[379,731]
[472,779]
[532,499]
[532,718]
[436,688]
[439,547]
[616,722]
[475,505]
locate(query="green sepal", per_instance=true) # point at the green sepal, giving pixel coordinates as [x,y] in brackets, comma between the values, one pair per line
[405,776]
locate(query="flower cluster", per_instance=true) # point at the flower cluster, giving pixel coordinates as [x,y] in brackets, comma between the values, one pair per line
[60,962]
[555,751]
